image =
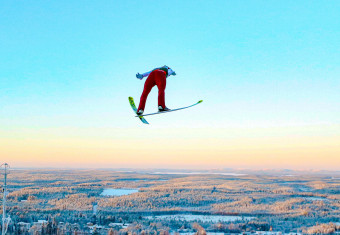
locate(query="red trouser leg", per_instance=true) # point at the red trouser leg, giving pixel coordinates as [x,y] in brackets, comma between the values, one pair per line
[160,79]
[149,84]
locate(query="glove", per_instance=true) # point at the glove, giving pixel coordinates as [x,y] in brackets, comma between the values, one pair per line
[139,76]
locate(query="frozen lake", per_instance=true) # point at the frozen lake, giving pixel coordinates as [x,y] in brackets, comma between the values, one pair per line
[316,198]
[203,218]
[196,173]
[118,191]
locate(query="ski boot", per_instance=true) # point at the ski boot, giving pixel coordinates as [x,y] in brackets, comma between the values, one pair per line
[140,112]
[161,109]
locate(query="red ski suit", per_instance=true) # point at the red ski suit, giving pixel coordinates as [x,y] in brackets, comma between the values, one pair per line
[155,78]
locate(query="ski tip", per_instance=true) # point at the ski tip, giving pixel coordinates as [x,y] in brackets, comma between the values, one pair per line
[130,98]
[200,101]
[145,121]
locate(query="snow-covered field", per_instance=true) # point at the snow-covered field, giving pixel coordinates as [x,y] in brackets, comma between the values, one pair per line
[202,218]
[117,192]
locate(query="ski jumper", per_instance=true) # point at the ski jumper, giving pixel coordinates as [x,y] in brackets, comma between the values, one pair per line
[156,77]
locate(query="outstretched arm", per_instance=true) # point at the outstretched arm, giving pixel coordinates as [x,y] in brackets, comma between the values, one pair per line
[143,75]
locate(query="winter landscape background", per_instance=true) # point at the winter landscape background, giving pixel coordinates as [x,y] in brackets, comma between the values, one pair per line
[163,202]
[267,71]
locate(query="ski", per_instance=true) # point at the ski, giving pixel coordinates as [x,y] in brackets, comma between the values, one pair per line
[172,110]
[133,106]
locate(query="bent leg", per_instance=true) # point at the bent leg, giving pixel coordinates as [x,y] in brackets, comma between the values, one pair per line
[149,83]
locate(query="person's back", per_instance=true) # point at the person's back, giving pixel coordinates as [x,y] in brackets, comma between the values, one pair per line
[156,77]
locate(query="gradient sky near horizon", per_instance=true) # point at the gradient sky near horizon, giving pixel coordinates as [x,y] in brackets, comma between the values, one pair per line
[268,72]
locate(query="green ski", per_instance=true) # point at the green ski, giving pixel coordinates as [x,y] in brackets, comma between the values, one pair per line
[133,106]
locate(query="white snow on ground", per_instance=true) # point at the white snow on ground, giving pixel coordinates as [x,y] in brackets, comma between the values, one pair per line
[203,218]
[123,225]
[117,192]
[305,189]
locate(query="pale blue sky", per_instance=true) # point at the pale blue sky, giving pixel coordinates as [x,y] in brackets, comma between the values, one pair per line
[72,64]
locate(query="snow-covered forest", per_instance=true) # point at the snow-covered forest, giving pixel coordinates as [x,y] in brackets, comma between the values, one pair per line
[62,201]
